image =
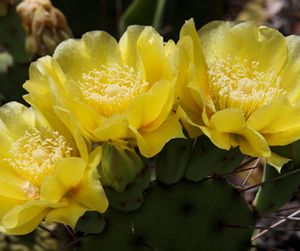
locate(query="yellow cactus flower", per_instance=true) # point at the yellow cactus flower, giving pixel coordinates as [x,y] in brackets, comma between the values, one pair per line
[239,85]
[111,91]
[43,174]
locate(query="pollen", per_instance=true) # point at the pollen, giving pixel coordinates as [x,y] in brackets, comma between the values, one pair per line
[236,83]
[110,89]
[33,157]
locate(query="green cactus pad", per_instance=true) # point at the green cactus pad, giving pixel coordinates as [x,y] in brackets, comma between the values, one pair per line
[132,197]
[207,159]
[91,222]
[186,216]
[273,195]
[172,160]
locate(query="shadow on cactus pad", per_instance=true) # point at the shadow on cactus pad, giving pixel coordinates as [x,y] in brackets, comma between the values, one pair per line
[186,216]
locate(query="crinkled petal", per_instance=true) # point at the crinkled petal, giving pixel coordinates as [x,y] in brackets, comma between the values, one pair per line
[11,183]
[147,108]
[70,171]
[68,214]
[6,204]
[5,139]
[254,144]
[114,128]
[186,118]
[151,49]
[228,121]
[91,52]
[90,192]
[268,120]
[151,143]
[18,118]
[25,218]
[220,139]
[291,70]
[284,137]
[244,40]
[128,46]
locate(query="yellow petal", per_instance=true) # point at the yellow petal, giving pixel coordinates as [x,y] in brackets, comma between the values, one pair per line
[25,218]
[95,157]
[17,118]
[114,128]
[78,56]
[151,143]
[268,120]
[228,120]
[283,138]
[192,68]
[69,171]
[228,128]
[190,124]
[6,204]
[196,53]
[254,144]
[67,215]
[11,183]
[5,139]
[148,107]
[79,115]
[246,41]
[27,227]
[52,189]
[152,52]
[277,161]
[221,140]
[291,70]
[90,192]
[128,46]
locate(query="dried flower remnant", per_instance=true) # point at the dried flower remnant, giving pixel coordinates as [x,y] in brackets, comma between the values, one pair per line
[45,26]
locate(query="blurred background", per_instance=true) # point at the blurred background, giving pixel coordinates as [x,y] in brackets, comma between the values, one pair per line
[30,29]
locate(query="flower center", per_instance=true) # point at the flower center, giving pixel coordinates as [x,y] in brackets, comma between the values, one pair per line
[111,89]
[239,84]
[33,156]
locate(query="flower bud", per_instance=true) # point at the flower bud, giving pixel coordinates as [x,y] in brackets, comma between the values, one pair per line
[119,166]
[45,26]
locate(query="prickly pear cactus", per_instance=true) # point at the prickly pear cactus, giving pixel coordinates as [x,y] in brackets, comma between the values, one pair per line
[185,216]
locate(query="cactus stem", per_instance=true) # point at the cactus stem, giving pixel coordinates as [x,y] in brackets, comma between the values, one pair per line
[271,180]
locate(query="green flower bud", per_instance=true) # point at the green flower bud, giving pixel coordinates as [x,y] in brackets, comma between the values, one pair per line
[119,166]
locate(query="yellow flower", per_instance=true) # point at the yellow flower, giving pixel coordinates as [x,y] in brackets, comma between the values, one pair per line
[239,85]
[43,174]
[109,90]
